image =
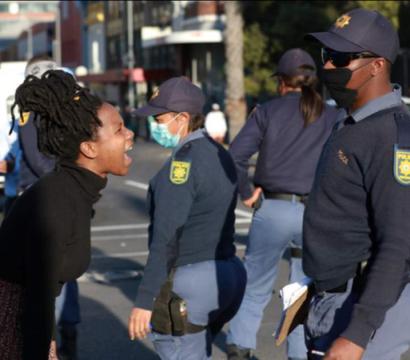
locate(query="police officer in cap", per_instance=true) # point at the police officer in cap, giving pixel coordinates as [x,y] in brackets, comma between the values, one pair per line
[288,132]
[191,201]
[356,226]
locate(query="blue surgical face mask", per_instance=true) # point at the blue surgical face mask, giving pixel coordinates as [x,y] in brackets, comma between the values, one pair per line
[161,134]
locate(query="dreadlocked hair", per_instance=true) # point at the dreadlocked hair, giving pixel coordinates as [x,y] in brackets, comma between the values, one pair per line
[65,114]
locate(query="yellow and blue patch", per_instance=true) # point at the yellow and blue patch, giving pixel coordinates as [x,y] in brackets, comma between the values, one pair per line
[179,173]
[402,165]
[24,118]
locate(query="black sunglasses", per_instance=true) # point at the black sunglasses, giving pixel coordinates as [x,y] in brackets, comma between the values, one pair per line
[342,59]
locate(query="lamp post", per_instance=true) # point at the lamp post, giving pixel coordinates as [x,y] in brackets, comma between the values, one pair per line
[130,57]
[57,42]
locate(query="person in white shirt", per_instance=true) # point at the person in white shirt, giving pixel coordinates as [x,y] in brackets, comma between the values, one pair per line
[215,124]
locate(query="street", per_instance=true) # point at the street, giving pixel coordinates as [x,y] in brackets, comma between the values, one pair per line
[315,94]
[119,252]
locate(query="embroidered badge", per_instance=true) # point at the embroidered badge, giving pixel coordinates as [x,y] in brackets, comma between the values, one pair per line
[342,21]
[24,118]
[402,165]
[343,158]
[179,172]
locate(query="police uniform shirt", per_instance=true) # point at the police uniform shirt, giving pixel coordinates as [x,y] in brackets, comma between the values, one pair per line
[358,210]
[191,204]
[45,242]
[33,164]
[288,151]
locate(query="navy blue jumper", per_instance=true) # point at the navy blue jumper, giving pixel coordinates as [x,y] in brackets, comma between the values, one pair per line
[33,163]
[357,211]
[288,151]
[193,221]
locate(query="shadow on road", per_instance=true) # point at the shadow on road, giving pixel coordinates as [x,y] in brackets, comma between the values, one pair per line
[103,336]
[128,287]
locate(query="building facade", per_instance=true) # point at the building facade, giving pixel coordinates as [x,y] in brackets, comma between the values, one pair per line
[169,38]
[127,48]
[71,33]
[21,35]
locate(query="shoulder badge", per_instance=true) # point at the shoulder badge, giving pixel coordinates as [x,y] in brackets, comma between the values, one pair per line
[179,172]
[402,165]
[24,118]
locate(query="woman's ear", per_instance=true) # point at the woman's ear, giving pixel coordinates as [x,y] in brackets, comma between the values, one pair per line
[89,149]
[184,116]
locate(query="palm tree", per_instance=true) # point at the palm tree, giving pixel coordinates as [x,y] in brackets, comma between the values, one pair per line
[235,105]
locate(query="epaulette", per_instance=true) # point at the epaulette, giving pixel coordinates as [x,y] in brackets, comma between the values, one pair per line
[183,152]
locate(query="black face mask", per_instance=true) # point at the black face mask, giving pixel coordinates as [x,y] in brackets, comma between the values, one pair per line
[335,81]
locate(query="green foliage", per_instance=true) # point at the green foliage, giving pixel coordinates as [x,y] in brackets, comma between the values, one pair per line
[390,9]
[258,75]
[272,27]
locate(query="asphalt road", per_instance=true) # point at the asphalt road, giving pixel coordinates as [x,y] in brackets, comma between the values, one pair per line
[119,242]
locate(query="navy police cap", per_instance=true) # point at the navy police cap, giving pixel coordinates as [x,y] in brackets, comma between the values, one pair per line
[177,94]
[293,61]
[361,30]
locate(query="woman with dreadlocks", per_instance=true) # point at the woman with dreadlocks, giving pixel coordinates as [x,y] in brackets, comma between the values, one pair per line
[45,238]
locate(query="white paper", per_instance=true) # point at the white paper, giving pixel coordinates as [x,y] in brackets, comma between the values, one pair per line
[291,292]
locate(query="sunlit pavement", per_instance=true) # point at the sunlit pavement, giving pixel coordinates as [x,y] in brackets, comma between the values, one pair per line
[119,242]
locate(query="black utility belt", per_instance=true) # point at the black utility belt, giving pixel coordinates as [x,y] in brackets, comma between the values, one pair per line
[170,313]
[357,282]
[286,196]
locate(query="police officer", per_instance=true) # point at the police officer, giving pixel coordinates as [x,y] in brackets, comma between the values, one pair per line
[356,228]
[33,166]
[288,132]
[192,201]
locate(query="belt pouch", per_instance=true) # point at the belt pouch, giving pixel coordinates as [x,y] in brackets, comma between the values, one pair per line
[161,317]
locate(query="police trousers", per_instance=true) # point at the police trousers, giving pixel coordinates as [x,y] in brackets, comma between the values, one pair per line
[213,292]
[276,225]
[329,314]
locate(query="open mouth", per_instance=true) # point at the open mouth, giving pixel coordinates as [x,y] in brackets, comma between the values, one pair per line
[127,158]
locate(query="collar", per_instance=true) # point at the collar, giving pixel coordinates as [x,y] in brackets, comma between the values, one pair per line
[197,134]
[392,99]
[293,94]
[90,182]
